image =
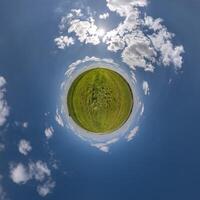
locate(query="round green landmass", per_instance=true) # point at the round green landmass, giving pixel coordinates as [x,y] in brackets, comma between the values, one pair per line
[100,100]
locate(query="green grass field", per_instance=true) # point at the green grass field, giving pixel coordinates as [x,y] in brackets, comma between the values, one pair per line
[100,100]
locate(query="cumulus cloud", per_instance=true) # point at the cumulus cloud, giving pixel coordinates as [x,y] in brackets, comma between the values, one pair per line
[86,31]
[139,49]
[138,53]
[124,7]
[19,174]
[145,87]
[46,188]
[131,135]
[104,15]
[49,132]
[4,109]
[142,40]
[24,147]
[63,41]
[38,171]
[162,42]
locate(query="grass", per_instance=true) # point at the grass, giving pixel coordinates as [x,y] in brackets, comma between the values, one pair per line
[100,100]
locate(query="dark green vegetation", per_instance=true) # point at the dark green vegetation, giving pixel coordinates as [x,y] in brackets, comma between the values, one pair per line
[100,100]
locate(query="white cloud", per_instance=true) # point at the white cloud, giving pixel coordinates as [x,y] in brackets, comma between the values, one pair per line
[74,13]
[2,82]
[139,49]
[170,54]
[24,147]
[58,118]
[104,149]
[49,132]
[112,141]
[142,41]
[114,41]
[84,13]
[86,31]
[63,41]
[45,188]
[25,124]
[37,171]
[104,15]
[138,53]
[154,24]
[142,110]
[4,109]
[131,135]
[19,174]
[104,146]
[123,7]
[77,12]
[145,87]
[21,124]
[2,147]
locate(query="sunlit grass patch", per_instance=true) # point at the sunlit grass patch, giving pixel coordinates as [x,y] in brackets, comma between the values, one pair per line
[100,100]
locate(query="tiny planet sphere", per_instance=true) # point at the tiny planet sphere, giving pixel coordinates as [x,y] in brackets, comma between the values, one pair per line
[100,100]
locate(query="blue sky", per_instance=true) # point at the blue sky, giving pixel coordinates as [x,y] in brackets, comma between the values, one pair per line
[161,162]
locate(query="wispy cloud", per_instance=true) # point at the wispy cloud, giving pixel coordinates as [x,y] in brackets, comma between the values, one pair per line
[22,124]
[2,147]
[49,132]
[74,65]
[131,135]
[3,194]
[58,118]
[4,109]
[104,146]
